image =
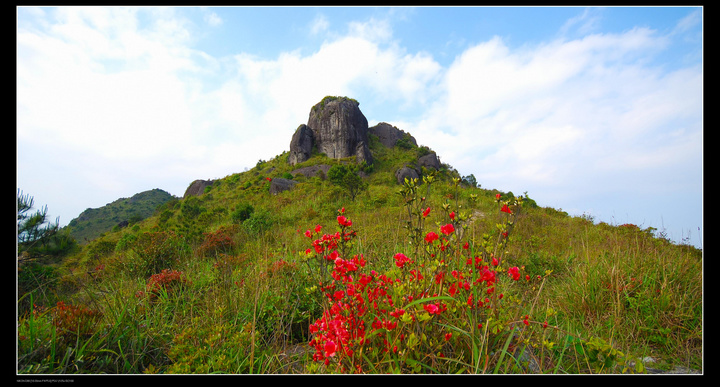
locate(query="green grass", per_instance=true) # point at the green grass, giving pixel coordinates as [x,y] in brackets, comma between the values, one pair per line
[609,294]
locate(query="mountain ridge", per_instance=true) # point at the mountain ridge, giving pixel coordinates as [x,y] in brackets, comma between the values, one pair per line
[120,213]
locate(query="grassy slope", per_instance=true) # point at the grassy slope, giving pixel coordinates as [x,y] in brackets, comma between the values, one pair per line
[641,294]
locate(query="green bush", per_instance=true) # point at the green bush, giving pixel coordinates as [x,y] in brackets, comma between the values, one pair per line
[258,222]
[242,212]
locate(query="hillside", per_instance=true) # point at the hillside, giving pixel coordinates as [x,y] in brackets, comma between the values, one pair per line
[122,212]
[313,264]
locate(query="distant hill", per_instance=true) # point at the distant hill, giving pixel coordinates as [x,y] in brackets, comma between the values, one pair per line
[121,213]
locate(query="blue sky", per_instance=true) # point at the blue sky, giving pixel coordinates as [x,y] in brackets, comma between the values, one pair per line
[597,111]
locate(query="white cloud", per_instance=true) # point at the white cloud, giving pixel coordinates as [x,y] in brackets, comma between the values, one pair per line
[319,25]
[212,19]
[373,30]
[549,117]
[586,23]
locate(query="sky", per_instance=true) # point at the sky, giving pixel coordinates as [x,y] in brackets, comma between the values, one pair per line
[597,111]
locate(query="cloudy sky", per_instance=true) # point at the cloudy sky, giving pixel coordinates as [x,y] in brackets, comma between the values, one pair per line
[596,111]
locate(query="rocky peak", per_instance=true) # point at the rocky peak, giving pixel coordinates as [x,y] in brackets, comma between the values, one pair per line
[335,127]
[389,135]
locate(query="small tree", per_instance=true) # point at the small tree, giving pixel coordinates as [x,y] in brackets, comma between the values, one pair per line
[33,230]
[347,178]
[470,181]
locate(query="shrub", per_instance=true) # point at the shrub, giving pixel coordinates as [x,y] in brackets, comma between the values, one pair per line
[72,321]
[242,212]
[153,252]
[220,241]
[258,222]
[406,318]
[167,281]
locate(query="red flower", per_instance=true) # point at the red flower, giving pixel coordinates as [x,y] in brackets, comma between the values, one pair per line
[497,196]
[495,261]
[426,212]
[308,234]
[431,308]
[447,229]
[268,179]
[343,221]
[452,215]
[448,336]
[401,259]
[318,228]
[505,208]
[514,272]
[431,237]
[330,348]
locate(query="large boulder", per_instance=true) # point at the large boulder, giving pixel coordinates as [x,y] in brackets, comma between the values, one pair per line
[429,161]
[406,172]
[197,188]
[389,135]
[301,145]
[337,128]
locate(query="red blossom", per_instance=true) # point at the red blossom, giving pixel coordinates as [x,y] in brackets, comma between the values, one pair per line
[343,221]
[431,237]
[514,272]
[401,259]
[447,229]
[426,212]
[505,208]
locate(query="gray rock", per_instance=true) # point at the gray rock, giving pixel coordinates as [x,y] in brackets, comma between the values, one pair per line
[300,145]
[429,161]
[405,172]
[279,184]
[340,129]
[197,188]
[312,170]
[389,135]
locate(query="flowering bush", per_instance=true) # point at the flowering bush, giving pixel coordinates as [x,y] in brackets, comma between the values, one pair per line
[220,241]
[72,321]
[166,280]
[406,318]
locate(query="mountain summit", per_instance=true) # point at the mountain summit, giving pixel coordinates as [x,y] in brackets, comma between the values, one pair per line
[335,127]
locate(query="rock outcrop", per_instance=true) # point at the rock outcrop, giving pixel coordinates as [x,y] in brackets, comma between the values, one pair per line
[197,187]
[429,161]
[406,172]
[313,170]
[335,127]
[301,145]
[389,135]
